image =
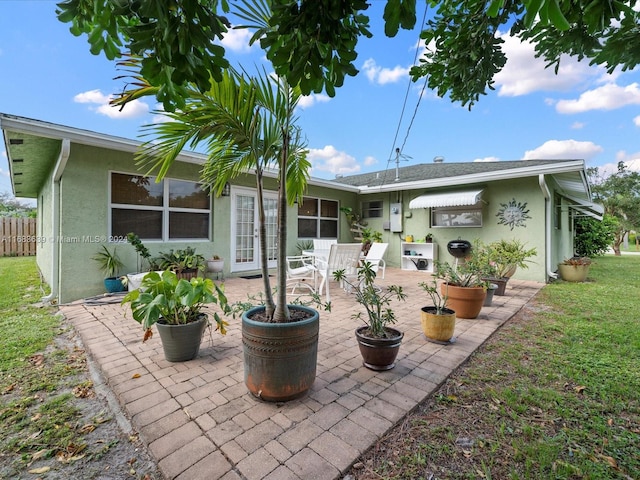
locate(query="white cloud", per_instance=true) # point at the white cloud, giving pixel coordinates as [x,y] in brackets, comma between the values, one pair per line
[307,101]
[577,125]
[524,73]
[487,159]
[382,76]
[636,121]
[133,109]
[631,161]
[563,149]
[333,161]
[606,97]
[369,161]
[237,40]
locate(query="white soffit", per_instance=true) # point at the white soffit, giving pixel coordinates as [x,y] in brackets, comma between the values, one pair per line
[449,199]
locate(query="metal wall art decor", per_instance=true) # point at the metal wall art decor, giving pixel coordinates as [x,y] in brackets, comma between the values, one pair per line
[513,214]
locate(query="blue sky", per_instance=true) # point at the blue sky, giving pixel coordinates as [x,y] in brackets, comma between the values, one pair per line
[48,74]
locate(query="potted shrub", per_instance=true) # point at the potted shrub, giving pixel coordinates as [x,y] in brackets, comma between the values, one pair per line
[505,257]
[438,322]
[248,126]
[186,263]
[215,264]
[133,280]
[378,342]
[464,285]
[574,269]
[110,264]
[176,306]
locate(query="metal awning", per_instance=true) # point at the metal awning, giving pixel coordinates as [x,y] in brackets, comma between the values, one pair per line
[584,207]
[448,199]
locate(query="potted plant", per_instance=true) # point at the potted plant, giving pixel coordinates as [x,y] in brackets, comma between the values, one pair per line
[110,264]
[438,322]
[215,264]
[464,285]
[248,126]
[186,263]
[378,342]
[574,269]
[176,307]
[133,280]
[505,257]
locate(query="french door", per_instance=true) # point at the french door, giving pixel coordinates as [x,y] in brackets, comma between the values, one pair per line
[245,244]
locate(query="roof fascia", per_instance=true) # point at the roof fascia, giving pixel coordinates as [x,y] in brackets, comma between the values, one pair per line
[84,137]
[563,167]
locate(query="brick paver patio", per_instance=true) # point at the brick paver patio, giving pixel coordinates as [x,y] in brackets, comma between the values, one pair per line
[200,422]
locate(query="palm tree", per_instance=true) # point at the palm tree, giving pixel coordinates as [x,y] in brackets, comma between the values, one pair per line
[246,125]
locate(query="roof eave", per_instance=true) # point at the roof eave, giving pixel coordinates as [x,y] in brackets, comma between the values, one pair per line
[564,167]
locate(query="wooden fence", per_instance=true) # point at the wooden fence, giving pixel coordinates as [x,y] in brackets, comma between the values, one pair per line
[17,237]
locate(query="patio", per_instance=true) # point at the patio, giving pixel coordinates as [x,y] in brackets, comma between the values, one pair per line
[199,421]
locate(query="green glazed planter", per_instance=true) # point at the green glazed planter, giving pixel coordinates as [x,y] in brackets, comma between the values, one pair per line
[280,358]
[182,342]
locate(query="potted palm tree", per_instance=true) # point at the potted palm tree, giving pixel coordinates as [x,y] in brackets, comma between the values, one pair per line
[438,322]
[176,307]
[247,126]
[379,343]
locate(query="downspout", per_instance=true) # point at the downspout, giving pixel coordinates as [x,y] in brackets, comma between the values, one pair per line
[547,225]
[55,219]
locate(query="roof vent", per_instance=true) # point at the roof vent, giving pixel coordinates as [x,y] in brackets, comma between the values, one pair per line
[338,175]
[16,141]
[438,159]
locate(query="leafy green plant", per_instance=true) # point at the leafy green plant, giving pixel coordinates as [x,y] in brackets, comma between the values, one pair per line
[374,299]
[507,255]
[175,301]
[370,235]
[469,273]
[142,251]
[439,300]
[594,237]
[180,260]
[109,262]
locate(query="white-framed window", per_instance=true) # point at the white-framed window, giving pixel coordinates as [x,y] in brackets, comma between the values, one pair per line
[372,209]
[467,216]
[318,218]
[168,210]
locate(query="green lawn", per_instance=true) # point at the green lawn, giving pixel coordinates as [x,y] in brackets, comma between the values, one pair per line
[555,394]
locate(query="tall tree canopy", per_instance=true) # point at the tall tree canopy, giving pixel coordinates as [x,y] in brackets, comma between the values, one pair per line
[620,195]
[312,43]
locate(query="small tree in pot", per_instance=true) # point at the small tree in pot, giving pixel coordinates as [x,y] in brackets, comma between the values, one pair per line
[378,342]
[438,322]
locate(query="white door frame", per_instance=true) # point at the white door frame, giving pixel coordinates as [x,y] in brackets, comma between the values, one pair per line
[244,239]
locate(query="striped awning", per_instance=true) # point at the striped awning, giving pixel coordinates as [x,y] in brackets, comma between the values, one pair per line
[449,199]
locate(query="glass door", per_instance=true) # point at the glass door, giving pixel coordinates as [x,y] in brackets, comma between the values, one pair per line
[244,230]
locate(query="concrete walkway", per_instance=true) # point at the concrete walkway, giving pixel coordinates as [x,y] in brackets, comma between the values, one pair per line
[200,422]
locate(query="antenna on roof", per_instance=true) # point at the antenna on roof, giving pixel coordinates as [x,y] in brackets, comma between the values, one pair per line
[405,158]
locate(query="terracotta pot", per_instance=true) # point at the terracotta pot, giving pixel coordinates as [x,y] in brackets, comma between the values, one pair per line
[573,273]
[182,342]
[465,301]
[280,358]
[438,327]
[379,353]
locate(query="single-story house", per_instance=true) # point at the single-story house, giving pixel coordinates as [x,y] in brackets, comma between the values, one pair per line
[90,193]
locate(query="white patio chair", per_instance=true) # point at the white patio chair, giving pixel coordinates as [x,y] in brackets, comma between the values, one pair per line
[342,256]
[301,272]
[323,243]
[374,257]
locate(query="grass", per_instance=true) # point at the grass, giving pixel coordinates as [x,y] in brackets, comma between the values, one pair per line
[36,412]
[555,394]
